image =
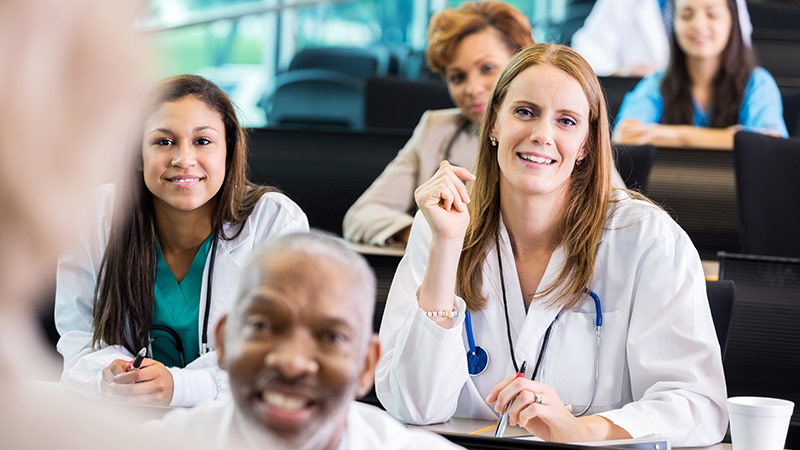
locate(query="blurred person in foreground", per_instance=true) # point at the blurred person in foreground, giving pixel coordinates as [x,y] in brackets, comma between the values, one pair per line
[298,348]
[64,97]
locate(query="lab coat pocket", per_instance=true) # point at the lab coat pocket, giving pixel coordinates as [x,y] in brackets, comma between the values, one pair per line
[569,365]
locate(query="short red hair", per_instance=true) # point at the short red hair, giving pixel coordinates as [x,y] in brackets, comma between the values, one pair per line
[449,27]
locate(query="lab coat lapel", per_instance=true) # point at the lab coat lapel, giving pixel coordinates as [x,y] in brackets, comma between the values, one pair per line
[527,330]
[227,268]
[516,307]
[539,316]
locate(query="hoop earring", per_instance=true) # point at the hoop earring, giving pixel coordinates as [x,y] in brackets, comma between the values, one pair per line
[493,141]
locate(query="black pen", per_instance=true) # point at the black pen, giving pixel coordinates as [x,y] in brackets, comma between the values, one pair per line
[137,362]
[501,426]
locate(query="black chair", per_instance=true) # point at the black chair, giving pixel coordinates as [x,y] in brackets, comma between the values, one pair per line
[768,194]
[776,38]
[323,171]
[399,103]
[315,97]
[763,354]
[615,89]
[721,297]
[384,267]
[634,163]
[359,62]
[791,110]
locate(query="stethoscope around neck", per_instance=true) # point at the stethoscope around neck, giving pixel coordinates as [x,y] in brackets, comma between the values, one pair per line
[204,336]
[478,358]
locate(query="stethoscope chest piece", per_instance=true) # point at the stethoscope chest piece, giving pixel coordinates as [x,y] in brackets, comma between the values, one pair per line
[477,361]
[477,358]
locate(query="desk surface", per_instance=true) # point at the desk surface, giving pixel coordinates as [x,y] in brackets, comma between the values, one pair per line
[468,426]
[389,250]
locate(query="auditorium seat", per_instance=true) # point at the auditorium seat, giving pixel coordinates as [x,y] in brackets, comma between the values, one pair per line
[359,62]
[634,163]
[323,171]
[317,97]
[763,354]
[393,102]
[615,89]
[767,193]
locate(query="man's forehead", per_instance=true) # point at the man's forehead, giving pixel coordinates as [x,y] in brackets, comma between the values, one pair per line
[305,280]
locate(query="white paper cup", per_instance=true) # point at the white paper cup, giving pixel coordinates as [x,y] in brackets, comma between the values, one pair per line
[759,423]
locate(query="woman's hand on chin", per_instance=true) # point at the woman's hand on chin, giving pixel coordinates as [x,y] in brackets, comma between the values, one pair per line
[443,201]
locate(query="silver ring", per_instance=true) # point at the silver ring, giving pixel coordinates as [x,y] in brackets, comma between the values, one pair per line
[537,397]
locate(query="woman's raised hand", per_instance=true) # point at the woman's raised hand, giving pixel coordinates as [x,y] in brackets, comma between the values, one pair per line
[443,201]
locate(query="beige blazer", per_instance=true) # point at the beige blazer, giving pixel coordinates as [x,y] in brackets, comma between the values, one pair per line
[388,205]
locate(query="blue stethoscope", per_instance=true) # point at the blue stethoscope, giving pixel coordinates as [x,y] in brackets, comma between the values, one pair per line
[478,358]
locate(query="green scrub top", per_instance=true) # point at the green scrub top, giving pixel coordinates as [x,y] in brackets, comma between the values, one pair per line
[177,307]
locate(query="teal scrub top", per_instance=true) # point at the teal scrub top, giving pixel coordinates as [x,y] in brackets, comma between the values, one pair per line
[177,306]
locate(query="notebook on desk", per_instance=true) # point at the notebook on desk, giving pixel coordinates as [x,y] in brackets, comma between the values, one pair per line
[650,443]
[530,442]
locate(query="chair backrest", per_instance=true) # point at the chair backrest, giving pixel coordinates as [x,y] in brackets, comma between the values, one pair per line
[399,103]
[323,171]
[318,97]
[791,109]
[763,354]
[384,267]
[634,163]
[721,297]
[776,37]
[615,89]
[359,62]
[768,194]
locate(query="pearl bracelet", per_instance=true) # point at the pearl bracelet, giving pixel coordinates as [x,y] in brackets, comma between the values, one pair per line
[441,313]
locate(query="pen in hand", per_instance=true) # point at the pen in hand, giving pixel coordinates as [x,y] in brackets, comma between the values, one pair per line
[137,362]
[501,426]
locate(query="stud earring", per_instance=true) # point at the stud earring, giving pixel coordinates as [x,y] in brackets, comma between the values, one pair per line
[579,161]
[493,141]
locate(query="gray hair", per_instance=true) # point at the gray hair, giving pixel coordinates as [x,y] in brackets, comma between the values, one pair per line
[320,244]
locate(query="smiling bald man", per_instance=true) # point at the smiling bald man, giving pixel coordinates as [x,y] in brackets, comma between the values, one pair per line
[299,349]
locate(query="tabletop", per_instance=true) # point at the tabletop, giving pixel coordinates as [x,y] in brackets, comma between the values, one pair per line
[486,428]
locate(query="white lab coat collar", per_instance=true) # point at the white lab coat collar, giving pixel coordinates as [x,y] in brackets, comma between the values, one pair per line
[228,266]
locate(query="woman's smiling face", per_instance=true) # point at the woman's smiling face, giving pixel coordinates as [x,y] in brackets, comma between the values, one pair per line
[477,62]
[541,128]
[702,27]
[183,154]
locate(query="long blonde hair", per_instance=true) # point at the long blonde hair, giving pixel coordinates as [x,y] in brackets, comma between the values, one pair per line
[587,202]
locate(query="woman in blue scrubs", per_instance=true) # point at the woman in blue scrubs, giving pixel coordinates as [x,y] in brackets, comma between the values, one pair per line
[157,267]
[710,90]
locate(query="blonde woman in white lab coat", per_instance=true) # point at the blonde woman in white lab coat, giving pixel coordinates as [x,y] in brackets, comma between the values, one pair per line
[539,234]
